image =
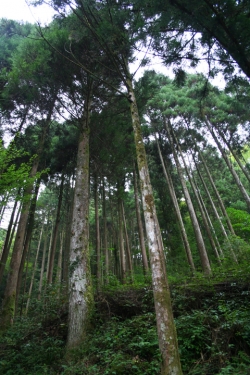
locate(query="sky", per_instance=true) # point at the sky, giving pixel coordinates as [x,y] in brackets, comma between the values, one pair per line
[20,11]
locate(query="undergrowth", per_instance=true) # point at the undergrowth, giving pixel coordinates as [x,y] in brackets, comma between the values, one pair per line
[212,320]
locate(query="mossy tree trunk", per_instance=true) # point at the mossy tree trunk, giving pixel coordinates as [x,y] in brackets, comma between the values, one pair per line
[80,286]
[164,316]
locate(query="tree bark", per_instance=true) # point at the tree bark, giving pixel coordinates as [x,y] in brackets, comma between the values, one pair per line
[55,234]
[140,227]
[97,230]
[177,209]
[221,204]
[230,148]
[217,215]
[43,260]
[80,287]
[9,305]
[199,239]
[165,323]
[121,243]
[195,190]
[6,247]
[28,235]
[128,250]
[34,270]
[229,164]
[105,238]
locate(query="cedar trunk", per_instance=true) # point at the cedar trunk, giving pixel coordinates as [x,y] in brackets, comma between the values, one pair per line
[164,316]
[80,287]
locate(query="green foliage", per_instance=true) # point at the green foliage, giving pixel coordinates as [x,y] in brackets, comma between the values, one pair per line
[241,222]
[120,347]
[35,344]
[13,173]
[212,320]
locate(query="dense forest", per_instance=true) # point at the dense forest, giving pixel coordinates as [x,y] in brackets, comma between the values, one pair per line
[127,249]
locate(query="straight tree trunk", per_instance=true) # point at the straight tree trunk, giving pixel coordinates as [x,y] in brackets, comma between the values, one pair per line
[9,300]
[221,204]
[34,271]
[43,259]
[140,227]
[6,247]
[105,238]
[209,221]
[217,214]
[229,164]
[50,244]
[121,243]
[55,234]
[236,157]
[59,264]
[65,275]
[29,231]
[199,239]
[80,286]
[128,250]
[203,215]
[97,229]
[167,336]
[177,209]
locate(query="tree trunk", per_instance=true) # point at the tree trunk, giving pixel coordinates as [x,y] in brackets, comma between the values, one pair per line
[8,305]
[50,244]
[140,227]
[55,234]
[199,239]
[65,274]
[210,222]
[34,270]
[128,250]
[6,247]
[28,236]
[229,164]
[216,214]
[9,301]
[165,323]
[59,264]
[121,243]
[97,229]
[195,190]
[221,204]
[244,170]
[43,259]
[177,209]
[80,287]
[105,238]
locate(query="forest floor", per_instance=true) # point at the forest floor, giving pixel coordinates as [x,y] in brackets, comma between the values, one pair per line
[212,322]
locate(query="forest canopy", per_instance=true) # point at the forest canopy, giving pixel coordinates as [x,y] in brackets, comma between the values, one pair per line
[115,182]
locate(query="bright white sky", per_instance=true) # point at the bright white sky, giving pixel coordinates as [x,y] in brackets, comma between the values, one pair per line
[20,11]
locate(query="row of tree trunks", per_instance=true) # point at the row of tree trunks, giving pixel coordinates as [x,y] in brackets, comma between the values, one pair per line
[198,235]
[177,209]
